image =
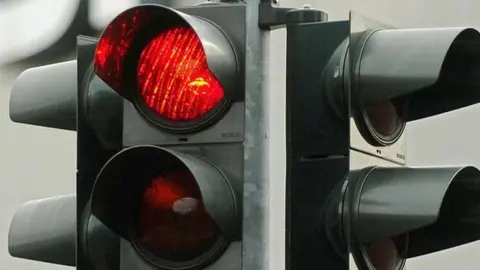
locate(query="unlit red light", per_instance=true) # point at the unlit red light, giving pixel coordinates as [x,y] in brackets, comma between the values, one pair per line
[173,76]
[172,222]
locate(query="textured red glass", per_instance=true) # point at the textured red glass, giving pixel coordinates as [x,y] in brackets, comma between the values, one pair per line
[172,222]
[173,77]
[115,43]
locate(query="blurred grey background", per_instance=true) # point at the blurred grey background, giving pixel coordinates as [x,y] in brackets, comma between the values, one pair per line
[39,162]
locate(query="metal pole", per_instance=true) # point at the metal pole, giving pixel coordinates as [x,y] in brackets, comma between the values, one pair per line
[256,217]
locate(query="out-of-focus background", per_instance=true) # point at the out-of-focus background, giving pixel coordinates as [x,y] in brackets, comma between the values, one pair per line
[39,162]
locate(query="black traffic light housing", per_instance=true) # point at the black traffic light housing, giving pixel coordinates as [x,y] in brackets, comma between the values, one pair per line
[317,152]
[349,193]
[113,123]
[212,24]
[99,126]
[114,127]
[438,220]
[156,145]
[428,63]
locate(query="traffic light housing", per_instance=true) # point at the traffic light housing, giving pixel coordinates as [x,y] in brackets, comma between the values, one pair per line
[351,199]
[219,72]
[180,90]
[179,73]
[182,44]
[158,104]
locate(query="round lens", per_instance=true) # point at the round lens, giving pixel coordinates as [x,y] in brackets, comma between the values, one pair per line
[387,254]
[172,223]
[385,120]
[174,79]
[385,117]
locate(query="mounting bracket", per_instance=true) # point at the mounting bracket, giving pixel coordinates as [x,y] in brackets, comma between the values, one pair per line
[272,17]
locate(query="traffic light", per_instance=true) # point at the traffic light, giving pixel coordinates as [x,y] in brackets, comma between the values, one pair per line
[158,102]
[173,193]
[352,201]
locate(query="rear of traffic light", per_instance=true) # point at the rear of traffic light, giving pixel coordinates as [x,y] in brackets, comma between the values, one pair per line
[351,201]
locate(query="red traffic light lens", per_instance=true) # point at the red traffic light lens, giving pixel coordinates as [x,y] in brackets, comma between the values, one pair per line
[178,211]
[173,76]
[172,223]
[181,72]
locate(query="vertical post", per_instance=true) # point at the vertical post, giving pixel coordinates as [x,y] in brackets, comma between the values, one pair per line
[256,214]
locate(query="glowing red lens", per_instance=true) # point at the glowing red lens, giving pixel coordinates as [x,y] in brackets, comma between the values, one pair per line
[173,77]
[172,222]
[115,42]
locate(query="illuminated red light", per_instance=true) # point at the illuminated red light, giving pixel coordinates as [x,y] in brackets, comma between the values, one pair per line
[173,76]
[172,222]
[114,44]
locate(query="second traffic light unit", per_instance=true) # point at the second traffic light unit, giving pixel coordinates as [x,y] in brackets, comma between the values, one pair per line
[351,199]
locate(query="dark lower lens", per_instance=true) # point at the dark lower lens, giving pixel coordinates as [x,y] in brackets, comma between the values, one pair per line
[172,223]
[385,120]
[385,117]
[387,254]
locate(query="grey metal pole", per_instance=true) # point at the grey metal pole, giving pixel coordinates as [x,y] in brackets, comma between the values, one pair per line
[256,217]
